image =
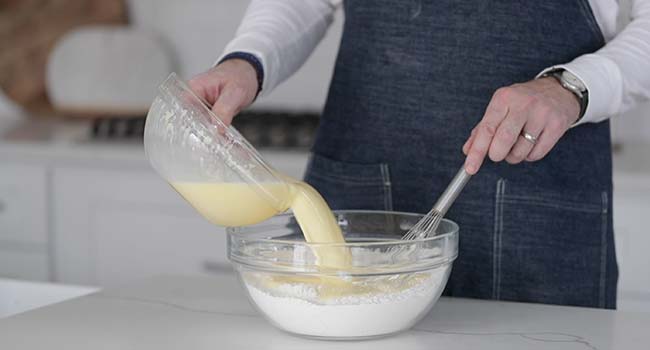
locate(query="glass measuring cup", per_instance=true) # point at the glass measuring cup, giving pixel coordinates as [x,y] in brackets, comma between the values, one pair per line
[192,149]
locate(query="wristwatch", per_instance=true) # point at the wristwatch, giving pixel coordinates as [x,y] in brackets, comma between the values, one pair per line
[572,83]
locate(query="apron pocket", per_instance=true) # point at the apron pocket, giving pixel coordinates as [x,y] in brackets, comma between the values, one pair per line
[347,185]
[550,245]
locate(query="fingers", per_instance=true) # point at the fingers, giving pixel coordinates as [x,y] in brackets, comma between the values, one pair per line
[227,87]
[231,100]
[226,99]
[519,151]
[469,142]
[507,135]
[485,131]
[205,89]
[479,147]
[553,130]
[522,147]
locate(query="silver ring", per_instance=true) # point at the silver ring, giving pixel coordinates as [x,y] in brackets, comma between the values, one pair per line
[530,138]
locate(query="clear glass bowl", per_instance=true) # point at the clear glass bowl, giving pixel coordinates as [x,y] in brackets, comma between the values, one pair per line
[389,285]
[189,146]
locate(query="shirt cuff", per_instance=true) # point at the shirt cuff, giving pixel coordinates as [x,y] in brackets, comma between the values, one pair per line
[259,48]
[253,61]
[603,81]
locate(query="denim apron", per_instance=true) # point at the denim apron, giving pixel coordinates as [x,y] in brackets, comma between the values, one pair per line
[412,78]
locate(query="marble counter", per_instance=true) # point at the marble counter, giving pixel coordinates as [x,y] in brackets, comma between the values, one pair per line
[174,312]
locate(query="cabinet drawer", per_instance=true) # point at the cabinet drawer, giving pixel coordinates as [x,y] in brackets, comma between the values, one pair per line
[24,265]
[23,200]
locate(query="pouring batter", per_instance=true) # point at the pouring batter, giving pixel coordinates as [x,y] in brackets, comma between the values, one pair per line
[241,204]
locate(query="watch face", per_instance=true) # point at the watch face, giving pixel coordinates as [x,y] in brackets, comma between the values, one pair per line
[571,79]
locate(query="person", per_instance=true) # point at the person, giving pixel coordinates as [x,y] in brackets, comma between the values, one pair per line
[415,82]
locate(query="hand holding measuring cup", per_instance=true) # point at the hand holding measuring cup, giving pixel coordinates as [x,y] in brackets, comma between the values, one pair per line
[228,87]
[190,147]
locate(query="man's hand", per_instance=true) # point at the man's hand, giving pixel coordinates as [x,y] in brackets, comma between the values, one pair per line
[229,87]
[542,108]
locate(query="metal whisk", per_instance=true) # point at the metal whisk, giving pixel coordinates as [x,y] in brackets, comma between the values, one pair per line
[430,222]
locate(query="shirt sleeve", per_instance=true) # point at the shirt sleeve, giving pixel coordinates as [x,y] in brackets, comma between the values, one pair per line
[281,34]
[617,76]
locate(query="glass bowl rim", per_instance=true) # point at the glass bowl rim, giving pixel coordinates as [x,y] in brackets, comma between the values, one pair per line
[234,232]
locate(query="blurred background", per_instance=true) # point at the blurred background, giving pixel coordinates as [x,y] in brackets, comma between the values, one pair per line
[79,203]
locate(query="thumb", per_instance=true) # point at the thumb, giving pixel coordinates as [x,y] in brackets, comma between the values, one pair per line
[230,102]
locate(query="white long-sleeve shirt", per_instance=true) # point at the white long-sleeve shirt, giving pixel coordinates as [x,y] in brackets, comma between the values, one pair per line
[283,33]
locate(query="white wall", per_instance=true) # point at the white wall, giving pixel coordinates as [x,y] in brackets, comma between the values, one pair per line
[10,113]
[633,126]
[198,30]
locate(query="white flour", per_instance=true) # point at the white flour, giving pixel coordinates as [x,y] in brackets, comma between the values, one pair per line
[296,307]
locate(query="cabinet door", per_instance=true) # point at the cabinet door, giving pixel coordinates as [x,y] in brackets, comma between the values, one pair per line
[23,201]
[113,227]
[24,264]
[23,222]
[631,215]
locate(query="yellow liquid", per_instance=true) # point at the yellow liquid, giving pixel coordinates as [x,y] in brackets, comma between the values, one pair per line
[240,204]
[231,204]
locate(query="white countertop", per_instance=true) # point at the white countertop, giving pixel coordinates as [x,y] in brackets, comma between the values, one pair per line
[174,312]
[18,296]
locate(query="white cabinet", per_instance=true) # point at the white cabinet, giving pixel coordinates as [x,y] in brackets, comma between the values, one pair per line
[23,221]
[24,263]
[631,218]
[23,200]
[116,226]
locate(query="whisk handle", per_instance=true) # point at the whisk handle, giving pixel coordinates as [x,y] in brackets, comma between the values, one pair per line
[453,190]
